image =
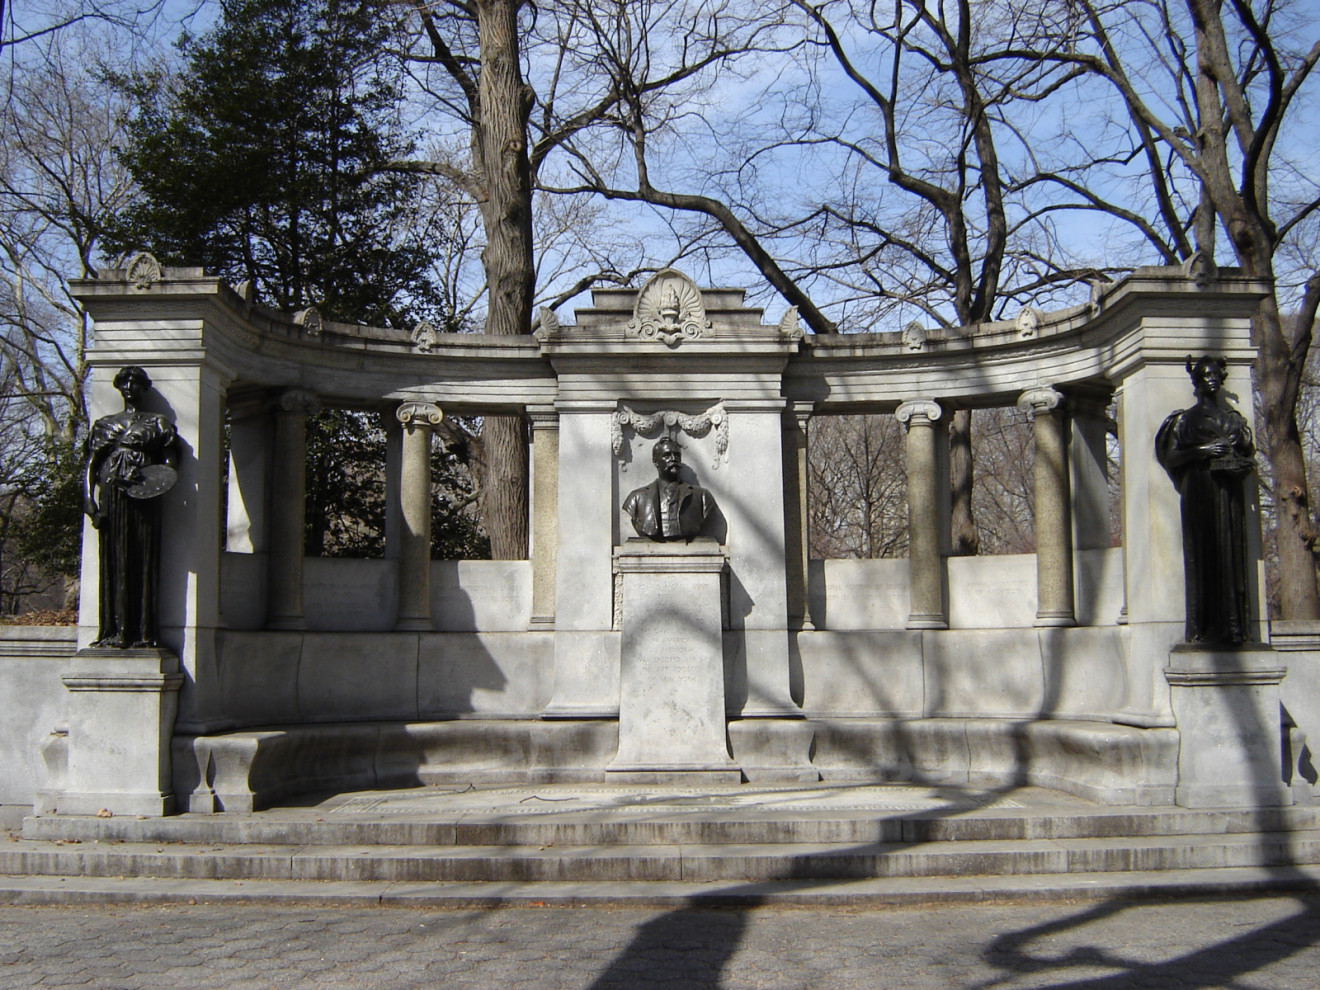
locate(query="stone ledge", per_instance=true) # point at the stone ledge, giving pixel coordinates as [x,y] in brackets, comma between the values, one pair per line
[1295,634]
[60,642]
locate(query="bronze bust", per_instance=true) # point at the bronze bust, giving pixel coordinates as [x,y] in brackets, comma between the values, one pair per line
[669,508]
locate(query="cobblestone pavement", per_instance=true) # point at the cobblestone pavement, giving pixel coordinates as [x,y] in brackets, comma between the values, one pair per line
[1266,943]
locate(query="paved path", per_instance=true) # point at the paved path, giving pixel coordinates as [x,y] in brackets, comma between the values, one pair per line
[1267,943]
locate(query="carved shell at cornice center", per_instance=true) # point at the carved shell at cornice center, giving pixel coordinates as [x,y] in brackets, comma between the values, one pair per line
[669,309]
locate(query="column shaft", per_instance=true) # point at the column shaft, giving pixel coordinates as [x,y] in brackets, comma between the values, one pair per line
[250,441]
[545,515]
[927,608]
[797,549]
[288,509]
[1054,577]
[415,514]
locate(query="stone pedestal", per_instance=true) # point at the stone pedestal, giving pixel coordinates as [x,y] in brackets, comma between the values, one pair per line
[121,715]
[671,691]
[1226,704]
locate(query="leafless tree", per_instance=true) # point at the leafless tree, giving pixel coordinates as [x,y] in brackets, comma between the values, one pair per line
[471,58]
[59,179]
[887,129]
[857,490]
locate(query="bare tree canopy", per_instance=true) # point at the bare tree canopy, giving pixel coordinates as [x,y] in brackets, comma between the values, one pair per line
[872,165]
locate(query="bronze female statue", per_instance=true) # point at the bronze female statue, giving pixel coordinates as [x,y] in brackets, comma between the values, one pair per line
[131,456]
[1208,452]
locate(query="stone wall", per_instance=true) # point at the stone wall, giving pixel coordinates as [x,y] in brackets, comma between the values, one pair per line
[353,595]
[32,661]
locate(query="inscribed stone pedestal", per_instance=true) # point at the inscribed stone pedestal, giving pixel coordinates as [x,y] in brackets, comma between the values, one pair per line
[671,692]
[1226,701]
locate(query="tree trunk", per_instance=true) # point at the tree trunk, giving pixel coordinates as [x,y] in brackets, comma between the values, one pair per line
[966,542]
[500,144]
[1278,377]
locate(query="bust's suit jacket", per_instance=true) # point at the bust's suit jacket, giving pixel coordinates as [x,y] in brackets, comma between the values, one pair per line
[694,507]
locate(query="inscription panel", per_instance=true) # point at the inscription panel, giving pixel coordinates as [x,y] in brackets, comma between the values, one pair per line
[859,594]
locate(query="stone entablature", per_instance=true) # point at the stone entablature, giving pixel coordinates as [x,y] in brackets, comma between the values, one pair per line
[1141,319]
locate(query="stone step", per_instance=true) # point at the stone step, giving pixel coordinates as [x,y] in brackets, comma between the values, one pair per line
[605,828]
[689,863]
[871,892]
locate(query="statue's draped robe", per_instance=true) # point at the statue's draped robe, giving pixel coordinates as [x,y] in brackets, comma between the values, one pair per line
[1215,560]
[130,535]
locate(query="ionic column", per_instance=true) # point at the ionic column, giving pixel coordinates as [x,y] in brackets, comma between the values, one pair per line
[928,488]
[288,496]
[545,514]
[1054,577]
[797,549]
[415,514]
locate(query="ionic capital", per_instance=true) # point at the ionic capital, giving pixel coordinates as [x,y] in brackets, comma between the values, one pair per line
[919,412]
[297,402]
[416,413]
[1039,401]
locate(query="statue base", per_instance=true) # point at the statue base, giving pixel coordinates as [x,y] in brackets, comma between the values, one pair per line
[671,688]
[122,705]
[1226,705]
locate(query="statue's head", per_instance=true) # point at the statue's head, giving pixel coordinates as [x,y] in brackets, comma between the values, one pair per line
[667,456]
[132,382]
[1208,373]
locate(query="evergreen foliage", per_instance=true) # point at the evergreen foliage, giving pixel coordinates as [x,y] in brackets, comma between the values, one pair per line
[345,479]
[262,161]
[49,535]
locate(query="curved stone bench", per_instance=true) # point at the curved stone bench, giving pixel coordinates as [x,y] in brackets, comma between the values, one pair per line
[248,770]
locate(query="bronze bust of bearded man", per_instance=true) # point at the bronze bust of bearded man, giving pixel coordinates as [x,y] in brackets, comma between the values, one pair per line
[668,508]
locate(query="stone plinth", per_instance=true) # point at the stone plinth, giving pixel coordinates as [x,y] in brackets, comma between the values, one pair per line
[122,705]
[1226,704]
[671,690]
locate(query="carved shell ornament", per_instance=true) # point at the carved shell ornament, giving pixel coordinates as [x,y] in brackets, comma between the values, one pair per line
[548,325]
[1201,269]
[1028,322]
[144,271]
[424,336]
[789,326]
[669,308]
[914,336]
[310,320]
